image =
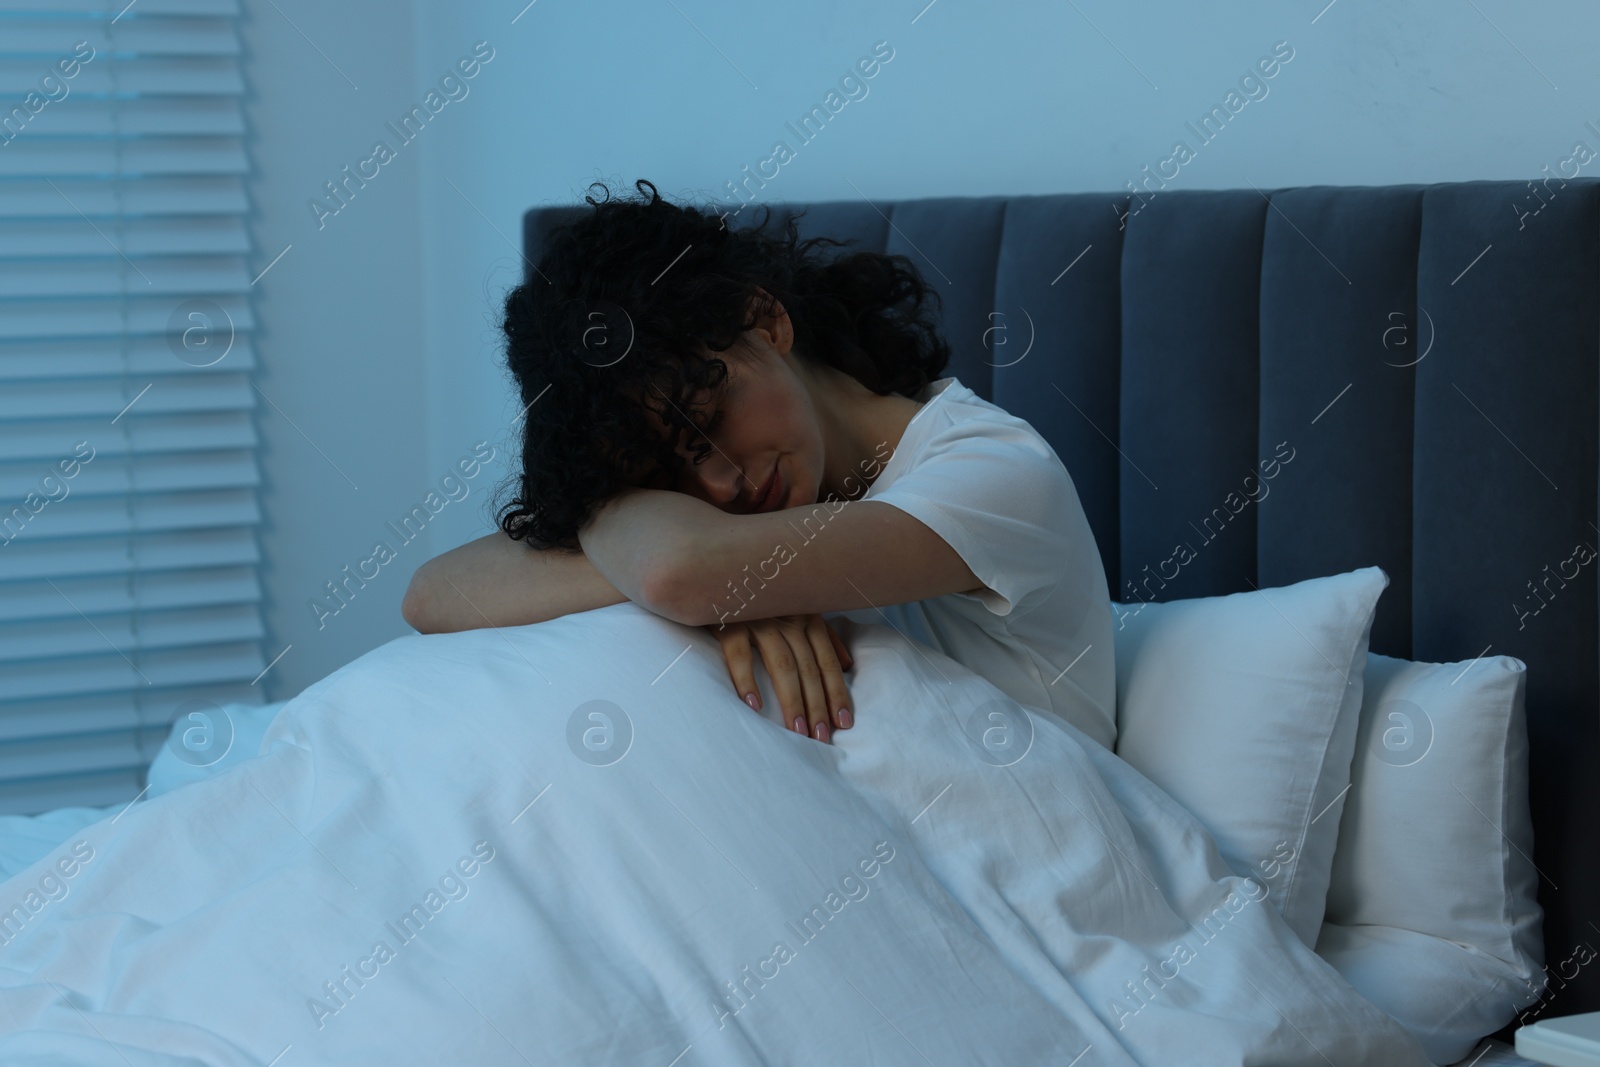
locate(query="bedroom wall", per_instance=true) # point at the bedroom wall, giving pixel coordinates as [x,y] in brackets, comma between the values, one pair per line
[1032,97]
[340,323]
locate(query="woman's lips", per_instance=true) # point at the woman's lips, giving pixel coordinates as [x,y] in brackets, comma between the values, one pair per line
[772,498]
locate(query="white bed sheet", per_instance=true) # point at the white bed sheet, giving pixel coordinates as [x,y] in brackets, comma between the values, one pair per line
[26,839]
[656,907]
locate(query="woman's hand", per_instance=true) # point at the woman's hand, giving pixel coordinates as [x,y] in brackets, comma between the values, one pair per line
[806,660]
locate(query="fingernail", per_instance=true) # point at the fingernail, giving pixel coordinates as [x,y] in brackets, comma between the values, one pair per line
[845,719]
[753,701]
[800,725]
[822,732]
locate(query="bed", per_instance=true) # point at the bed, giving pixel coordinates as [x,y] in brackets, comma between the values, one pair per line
[1167,343]
[1440,345]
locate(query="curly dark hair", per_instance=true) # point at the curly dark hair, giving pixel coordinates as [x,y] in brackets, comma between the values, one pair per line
[625,311]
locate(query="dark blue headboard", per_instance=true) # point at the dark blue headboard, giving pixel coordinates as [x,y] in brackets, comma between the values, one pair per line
[1430,355]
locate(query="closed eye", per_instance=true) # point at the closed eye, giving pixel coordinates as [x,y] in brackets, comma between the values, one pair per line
[702,451]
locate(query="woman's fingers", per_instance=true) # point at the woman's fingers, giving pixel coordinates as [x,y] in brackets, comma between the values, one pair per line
[783,667]
[832,659]
[792,665]
[846,660]
[806,660]
[736,650]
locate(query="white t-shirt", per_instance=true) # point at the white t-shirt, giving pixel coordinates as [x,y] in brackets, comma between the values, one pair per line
[994,489]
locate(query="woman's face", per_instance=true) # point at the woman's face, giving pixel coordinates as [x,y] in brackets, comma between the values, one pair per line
[765,440]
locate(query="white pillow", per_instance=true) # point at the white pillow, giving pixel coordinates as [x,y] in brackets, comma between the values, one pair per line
[1244,708]
[1445,994]
[1436,844]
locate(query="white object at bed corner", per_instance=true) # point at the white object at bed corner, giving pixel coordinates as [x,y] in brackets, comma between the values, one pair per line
[1572,1041]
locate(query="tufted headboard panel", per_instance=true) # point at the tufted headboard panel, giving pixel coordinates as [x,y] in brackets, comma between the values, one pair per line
[1429,355]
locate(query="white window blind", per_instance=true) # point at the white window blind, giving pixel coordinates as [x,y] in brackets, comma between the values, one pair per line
[127,586]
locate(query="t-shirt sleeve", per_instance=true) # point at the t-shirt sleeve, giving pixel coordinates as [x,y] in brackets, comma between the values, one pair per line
[998,495]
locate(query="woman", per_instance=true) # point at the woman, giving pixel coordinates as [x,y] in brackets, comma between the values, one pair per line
[739,432]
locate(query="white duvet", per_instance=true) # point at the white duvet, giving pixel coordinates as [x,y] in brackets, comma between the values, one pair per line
[571,843]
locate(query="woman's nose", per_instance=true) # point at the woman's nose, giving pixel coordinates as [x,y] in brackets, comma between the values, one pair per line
[720,480]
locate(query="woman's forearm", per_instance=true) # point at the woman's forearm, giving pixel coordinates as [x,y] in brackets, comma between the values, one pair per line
[495,581]
[639,537]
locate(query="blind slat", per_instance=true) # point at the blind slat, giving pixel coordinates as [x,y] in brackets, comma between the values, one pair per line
[99,196]
[138,553]
[37,156]
[85,754]
[25,646]
[100,713]
[66,237]
[110,316]
[138,512]
[29,796]
[42,443]
[101,396]
[207,75]
[144,358]
[103,10]
[173,36]
[120,476]
[117,274]
[189,588]
[89,116]
[110,673]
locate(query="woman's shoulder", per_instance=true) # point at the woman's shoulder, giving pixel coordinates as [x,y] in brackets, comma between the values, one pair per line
[963,451]
[954,413]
